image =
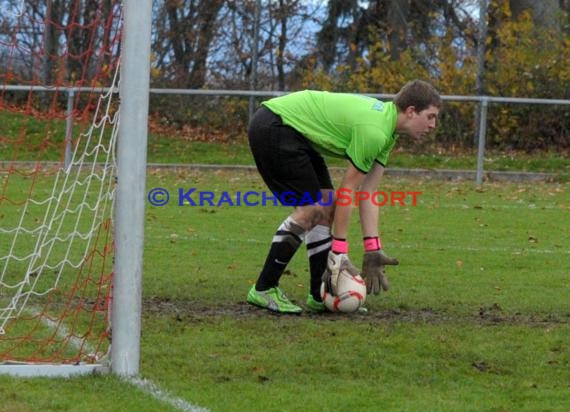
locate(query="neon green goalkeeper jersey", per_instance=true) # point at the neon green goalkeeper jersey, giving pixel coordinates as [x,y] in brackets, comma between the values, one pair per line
[351,126]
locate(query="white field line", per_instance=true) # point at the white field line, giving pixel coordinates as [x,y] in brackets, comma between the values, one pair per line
[145,385]
[486,249]
[436,205]
[63,333]
[152,389]
[175,237]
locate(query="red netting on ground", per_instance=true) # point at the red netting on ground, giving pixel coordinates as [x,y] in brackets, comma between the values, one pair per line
[58,125]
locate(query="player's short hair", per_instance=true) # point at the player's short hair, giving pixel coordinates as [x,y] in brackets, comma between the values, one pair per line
[417,93]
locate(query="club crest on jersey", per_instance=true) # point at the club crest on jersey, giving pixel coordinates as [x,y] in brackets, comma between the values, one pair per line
[378,106]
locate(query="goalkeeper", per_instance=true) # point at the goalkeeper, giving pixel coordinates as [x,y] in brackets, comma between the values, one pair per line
[288,136]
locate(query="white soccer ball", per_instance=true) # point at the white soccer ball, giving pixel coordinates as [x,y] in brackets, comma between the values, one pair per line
[351,294]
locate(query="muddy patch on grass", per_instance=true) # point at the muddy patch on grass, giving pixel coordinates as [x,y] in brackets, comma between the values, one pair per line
[188,310]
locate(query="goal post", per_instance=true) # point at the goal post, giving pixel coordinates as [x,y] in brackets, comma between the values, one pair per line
[130,203]
[73,139]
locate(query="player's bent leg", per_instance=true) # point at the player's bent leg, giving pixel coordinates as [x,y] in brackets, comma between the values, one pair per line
[318,242]
[309,216]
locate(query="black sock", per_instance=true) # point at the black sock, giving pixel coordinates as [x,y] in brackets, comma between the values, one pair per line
[286,241]
[319,242]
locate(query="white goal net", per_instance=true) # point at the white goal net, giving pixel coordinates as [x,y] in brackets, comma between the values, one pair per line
[58,130]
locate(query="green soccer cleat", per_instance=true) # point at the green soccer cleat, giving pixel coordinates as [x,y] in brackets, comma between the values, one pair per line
[362,310]
[315,305]
[273,299]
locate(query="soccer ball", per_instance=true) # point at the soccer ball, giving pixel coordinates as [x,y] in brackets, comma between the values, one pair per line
[351,293]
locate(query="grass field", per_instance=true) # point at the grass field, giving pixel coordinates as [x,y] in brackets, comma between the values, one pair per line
[172,146]
[173,149]
[477,319]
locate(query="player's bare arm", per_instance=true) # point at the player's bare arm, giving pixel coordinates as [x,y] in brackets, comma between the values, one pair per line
[369,212]
[374,260]
[351,182]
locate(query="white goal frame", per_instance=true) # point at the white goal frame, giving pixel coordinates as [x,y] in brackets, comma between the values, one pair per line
[130,201]
[129,205]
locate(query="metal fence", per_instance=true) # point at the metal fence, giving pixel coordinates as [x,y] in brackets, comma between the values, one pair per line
[483,105]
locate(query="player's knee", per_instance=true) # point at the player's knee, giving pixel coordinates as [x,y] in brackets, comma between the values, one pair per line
[326,212]
[327,216]
[310,216]
[322,215]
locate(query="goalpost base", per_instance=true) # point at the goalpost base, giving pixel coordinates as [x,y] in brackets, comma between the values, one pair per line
[51,370]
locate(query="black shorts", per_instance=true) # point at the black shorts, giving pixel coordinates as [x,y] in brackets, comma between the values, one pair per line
[291,168]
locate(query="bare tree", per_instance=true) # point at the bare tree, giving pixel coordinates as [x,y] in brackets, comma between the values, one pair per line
[545,13]
[283,41]
[397,21]
[282,14]
[62,38]
[350,28]
[340,32]
[183,38]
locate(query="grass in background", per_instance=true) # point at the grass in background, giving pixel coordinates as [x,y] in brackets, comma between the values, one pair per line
[177,150]
[23,138]
[477,317]
[85,394]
